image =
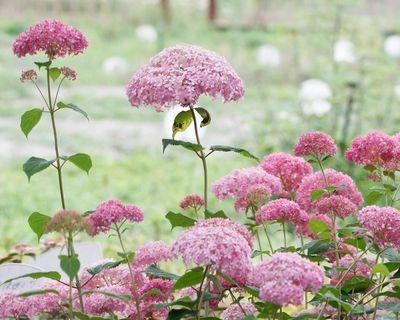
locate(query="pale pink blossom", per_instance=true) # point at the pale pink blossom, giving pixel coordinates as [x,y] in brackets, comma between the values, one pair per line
[316,144]
[336,205]
[28,75]
[68,73]
[152,253]
[238,310]
[350,266]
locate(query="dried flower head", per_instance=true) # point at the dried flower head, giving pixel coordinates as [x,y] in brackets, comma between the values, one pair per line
[28,75]
[180,74]
[52,37]
[68,73]
[68,221]
[316,144]
[192,201]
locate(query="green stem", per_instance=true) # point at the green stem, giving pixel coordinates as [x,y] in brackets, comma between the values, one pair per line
[203,159]
[134,286]
[53,124]
[78,283]
[284,234]
[268,238]
[200,295]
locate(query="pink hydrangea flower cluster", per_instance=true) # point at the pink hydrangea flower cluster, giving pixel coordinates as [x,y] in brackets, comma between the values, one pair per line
[375,149]
[289,169]
[284,277]
[220,247]
[316,144]
[350,266]
[336,205]
[110,212]
[304,230]
[28,75]
[282,210]
[316,181]
[180,74]
[52,37]
[237,312]
[192,201]
[241,182]
[344,249]
[383,224]
[152,253]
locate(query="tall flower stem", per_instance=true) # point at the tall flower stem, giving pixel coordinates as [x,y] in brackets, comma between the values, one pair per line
[284,234]
[201,292]
[202,157]
[134,285]
[71,253]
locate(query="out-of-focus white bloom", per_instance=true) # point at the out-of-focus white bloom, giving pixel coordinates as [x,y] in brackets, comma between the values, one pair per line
[397,89]
[268,55]
[146,33]
[343,51]
[187,135]
[115,64]
[316,107]
[314,89]
[392,46]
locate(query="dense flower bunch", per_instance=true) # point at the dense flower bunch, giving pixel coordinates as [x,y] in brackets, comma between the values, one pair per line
[239,311]
[179,75]
[192,201]
[152,253]
[52,37]
[68,221]
[241,183]
[353,266]
[316,144]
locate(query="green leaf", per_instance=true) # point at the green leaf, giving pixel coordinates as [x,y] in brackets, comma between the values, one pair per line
[30,119]
[187,145]
[103,266]
[179,220]
[205,115]
[357,284]
[319,228]
[370,168]
[182,121]
[219,214]
[124,297]
[37,292]
[82,316]
[37,275]
[393,306]
[177,314]
[82,161]
[34,165]
[380,268]
[62,105]
[154,271]
[70,265]
[243,152]
[38,222]
[54,73]
[317,194]
[190,278]
[43,64]
[373,197]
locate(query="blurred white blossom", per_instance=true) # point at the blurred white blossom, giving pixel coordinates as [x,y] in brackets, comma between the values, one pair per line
[268,55]
[392,46]
[146,33]
[314,89]
[316,107]
[115,64]
[343,51]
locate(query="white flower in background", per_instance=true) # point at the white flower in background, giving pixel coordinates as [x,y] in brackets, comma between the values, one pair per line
[268,55]
[115,64]
[314,89]
[392,46]
[315,108]
[187,135]
[397,89]
[146,33]
[343,51]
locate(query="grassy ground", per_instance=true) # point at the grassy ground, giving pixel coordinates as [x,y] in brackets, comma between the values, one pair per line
[125,142]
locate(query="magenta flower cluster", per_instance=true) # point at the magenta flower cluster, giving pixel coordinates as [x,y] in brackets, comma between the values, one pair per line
[316,144]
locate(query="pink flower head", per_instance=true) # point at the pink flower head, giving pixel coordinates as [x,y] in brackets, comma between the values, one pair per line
[68,73]
[180,74]
[290,169]
[237,312]
[316,144]
[152,253]
[304,230]
[228,223]
[193,201]
[241,182]
[375,149]
[339,206]
[221,247]
[52,37]
[284,277]
[383,224]
[282,210]
[351,266]
[345,187]
[344,250]
[110,212]
[28,75]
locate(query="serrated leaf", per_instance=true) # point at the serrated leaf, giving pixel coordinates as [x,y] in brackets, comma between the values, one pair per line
[205,116]
[319,228]
[219,214]
[357,284]
[70,265]
[37,275]
[154,271]
[38,292]
[30,119]
[190,278]
[54,73]
[317,194]
[240,151]
[182,121]
[38,222]
[187,145]
[62,105]
[179,220]
[34,165]
[103,266]
[82,161]
[372,198]
[43,64]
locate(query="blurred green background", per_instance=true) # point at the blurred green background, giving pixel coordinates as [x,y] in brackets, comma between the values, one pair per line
[349,49]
